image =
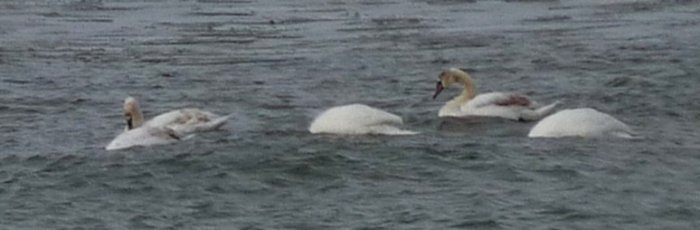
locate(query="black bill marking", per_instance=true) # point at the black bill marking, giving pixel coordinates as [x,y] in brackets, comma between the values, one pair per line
[438,89]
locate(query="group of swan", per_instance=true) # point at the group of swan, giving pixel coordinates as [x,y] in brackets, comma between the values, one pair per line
[582,122]
[357,119]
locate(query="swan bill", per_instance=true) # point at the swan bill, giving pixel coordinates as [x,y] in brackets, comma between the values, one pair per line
[438,89]
[129,123]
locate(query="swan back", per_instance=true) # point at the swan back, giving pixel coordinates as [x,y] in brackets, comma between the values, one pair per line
[357,119]
[582,122]
[142,136]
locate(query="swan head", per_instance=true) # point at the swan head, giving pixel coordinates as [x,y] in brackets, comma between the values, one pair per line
[450,77]
[132,113]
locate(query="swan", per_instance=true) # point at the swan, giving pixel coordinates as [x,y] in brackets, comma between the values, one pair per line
[357,119]
[581,122]
[494,104]
[163,129]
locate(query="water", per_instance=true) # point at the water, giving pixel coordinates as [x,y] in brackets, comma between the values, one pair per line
[66,66]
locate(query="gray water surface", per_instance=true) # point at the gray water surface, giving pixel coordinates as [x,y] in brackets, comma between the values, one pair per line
[66,66]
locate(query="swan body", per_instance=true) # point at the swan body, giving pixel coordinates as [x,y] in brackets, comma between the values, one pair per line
[163,129]
[582,122]
[357,119]
[143,136]
[494,104]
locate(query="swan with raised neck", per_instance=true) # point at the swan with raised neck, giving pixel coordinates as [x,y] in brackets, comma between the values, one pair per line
[492,104]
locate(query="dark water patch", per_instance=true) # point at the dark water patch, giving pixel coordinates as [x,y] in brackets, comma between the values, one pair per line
[142,222]
[98,20]
[17,81]
[634,81]
[535,1]
[63,163]
[377,3]
[452,41]
[569,29]
[130,188]
[560,172]
[322,10]
[680,212]
[386,24]
[553,18]
[91,222]
[93,5]
[632,7]
[235,34]
[236,61]
[212,14]
[302,20]
[382,29]
[51,14]
[207,210]
[478,224]
[482,126]
[396,21]
[446,2]
[200,41]
[226,1]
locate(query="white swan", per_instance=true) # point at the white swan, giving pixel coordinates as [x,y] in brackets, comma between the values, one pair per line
[357,119]
[495,104]
[582,122]
[162,129]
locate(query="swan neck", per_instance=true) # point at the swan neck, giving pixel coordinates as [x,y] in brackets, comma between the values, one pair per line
[137,118]
[469,91]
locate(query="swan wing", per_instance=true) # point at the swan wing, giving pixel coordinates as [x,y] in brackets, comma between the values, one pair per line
[182,129]
[181,116]
[498,99]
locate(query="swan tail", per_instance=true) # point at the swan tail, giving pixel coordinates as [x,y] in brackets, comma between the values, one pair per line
[539,113]
[214,124]
[627,135]
[406,132]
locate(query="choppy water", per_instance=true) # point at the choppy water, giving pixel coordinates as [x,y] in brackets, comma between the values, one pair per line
[66,66]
